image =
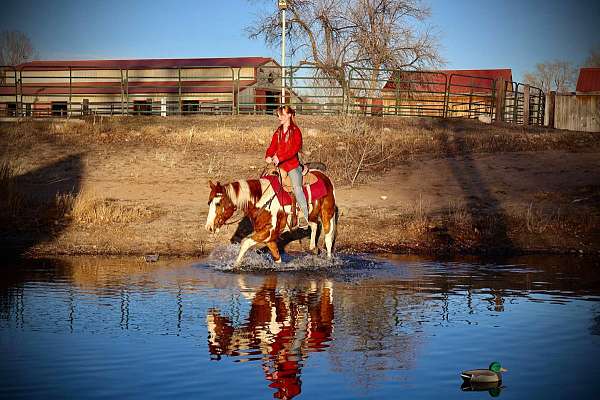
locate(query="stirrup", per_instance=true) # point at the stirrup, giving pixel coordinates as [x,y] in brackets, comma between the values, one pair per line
[302,223]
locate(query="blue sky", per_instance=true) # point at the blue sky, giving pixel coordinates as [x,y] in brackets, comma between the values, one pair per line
[473,34]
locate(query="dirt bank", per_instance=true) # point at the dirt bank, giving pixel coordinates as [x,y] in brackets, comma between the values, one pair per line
[140,185]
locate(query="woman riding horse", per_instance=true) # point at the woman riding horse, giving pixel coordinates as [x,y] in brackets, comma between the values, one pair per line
[283,153]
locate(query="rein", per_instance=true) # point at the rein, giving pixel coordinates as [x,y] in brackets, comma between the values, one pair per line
[234,222]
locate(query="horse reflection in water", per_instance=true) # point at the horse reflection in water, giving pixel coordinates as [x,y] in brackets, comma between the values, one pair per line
[283,327]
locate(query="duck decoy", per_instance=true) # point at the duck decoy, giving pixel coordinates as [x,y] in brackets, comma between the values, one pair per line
[490,375]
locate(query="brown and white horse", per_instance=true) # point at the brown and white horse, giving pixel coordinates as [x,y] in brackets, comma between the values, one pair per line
[257,200]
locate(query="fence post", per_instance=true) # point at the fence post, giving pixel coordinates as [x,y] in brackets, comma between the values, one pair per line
[447,82]
[348,89]
[122,92]
[70,92]
[127,90]
[526,108]
[180,103]
[550,107]
[500,99]
[291,83]
[237,88]
[16,91]
[515,103]
[397,83]
[233,91]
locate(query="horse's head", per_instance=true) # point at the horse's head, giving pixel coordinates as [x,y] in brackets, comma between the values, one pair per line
[220,207]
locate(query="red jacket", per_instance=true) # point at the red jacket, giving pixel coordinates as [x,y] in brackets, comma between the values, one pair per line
[286,147]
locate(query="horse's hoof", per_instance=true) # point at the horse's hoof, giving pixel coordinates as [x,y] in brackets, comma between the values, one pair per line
[278,261]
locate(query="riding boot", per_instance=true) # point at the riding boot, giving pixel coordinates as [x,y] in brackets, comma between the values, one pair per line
[294,221]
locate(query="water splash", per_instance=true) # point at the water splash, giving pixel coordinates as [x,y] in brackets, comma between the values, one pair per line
[222,258]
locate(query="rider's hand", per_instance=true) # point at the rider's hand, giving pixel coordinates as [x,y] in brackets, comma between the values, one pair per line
[275,160]
[268,160]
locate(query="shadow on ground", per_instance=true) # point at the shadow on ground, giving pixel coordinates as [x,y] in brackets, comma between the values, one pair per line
[34,215]
[489,218]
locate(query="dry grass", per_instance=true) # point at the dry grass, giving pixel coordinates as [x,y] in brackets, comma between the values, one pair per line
[403,135]
[538,220]
[355,149]
[87,208]
[11,199]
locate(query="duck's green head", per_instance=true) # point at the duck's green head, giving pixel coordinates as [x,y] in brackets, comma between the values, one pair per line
[496,367]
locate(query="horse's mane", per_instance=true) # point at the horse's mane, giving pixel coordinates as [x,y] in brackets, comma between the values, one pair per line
[240,194]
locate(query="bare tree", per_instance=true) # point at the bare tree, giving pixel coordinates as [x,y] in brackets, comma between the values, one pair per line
[557,75]
[335,35]
[15,48]
[388,36]
[593,59]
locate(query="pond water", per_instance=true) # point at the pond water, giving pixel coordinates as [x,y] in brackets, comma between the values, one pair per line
[360,327]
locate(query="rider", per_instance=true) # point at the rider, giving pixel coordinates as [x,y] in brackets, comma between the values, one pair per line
[283,152]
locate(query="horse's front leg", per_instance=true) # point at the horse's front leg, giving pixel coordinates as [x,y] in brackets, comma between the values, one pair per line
[313,236]
[259,236]
[274,251]
[246,244]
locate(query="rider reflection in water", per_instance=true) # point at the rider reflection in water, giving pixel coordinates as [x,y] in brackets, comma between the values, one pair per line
[283,153]
[285,326]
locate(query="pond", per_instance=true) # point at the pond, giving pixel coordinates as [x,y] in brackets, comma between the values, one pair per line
[363,326]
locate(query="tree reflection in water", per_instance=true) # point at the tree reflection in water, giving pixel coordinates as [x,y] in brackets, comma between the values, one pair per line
[283,327]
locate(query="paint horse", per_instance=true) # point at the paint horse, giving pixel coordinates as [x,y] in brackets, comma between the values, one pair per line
[263,202]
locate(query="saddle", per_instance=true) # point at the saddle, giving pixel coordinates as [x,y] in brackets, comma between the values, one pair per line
[310,184]
[308,178]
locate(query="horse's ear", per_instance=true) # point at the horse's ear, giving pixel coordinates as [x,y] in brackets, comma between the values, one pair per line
[212,185]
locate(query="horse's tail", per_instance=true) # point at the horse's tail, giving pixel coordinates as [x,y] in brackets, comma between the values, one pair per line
[336,216]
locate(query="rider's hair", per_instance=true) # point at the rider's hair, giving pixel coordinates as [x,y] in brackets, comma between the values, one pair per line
[289,111]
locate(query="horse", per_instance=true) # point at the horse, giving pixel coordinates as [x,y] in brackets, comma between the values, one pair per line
[259,200]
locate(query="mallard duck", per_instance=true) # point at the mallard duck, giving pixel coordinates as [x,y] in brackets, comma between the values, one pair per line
[492,374]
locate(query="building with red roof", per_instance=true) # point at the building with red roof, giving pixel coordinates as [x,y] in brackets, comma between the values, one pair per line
[144,86]
[588,81]
[459,80]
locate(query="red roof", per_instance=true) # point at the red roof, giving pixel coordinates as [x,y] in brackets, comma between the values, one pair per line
[589,80]
[461,80]
[149,63]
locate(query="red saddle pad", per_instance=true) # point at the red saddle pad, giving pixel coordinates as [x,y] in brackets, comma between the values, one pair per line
[317,190]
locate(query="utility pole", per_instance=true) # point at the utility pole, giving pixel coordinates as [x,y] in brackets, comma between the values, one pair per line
[282,7]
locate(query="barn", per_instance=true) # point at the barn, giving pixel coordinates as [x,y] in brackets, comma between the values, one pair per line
[588,81]
[141,86]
